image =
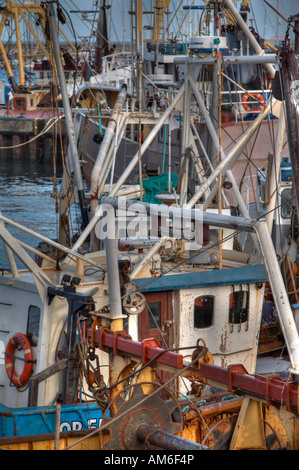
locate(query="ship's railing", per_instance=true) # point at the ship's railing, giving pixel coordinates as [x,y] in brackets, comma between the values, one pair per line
[119,60]
[233,100]
[168,48]
[255,102]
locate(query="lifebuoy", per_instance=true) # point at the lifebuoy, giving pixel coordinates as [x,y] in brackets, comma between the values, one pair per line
[23,341]
[246,106]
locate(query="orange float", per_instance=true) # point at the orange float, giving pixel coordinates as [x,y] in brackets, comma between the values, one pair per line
[259,98]
[18,339]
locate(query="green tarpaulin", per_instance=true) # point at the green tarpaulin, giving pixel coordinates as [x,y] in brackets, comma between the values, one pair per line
[154,185]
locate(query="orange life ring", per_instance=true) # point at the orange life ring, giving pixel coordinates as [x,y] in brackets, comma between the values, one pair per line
[22,340]
[259,97]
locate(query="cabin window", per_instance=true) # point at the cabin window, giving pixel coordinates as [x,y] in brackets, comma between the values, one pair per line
[33,324]
[20,103]
[286,204]
[239,307]
[154,315]
[203,311]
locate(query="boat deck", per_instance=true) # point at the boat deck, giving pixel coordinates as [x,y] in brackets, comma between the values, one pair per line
[198,274]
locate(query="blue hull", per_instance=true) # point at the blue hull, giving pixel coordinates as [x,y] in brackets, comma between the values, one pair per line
[41,419]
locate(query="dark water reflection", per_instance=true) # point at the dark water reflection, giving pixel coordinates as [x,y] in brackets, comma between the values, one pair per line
[26,191]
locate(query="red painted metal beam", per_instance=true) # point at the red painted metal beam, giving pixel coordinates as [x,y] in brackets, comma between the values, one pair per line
[121,344]
[273,390]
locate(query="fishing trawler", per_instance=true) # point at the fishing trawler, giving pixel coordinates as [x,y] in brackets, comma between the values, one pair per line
[153,341]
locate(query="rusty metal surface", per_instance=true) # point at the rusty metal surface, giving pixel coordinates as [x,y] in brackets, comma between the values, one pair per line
[154,412]
[272,390]
[146,350]
[165,440]
[214,409]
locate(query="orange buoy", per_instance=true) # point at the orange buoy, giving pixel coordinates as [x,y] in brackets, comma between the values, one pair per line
[21,340]
[252,108]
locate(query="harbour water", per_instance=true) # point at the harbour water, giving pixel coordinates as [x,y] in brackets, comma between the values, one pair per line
[26,197]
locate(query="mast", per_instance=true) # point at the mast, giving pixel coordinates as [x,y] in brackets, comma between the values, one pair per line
[289,71]
[139,25]
[68,113]
[215,85]
[101,47]
[160,8]
[295,18]
[13,11]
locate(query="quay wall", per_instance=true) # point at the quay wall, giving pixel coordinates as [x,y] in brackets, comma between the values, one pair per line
[26,139]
